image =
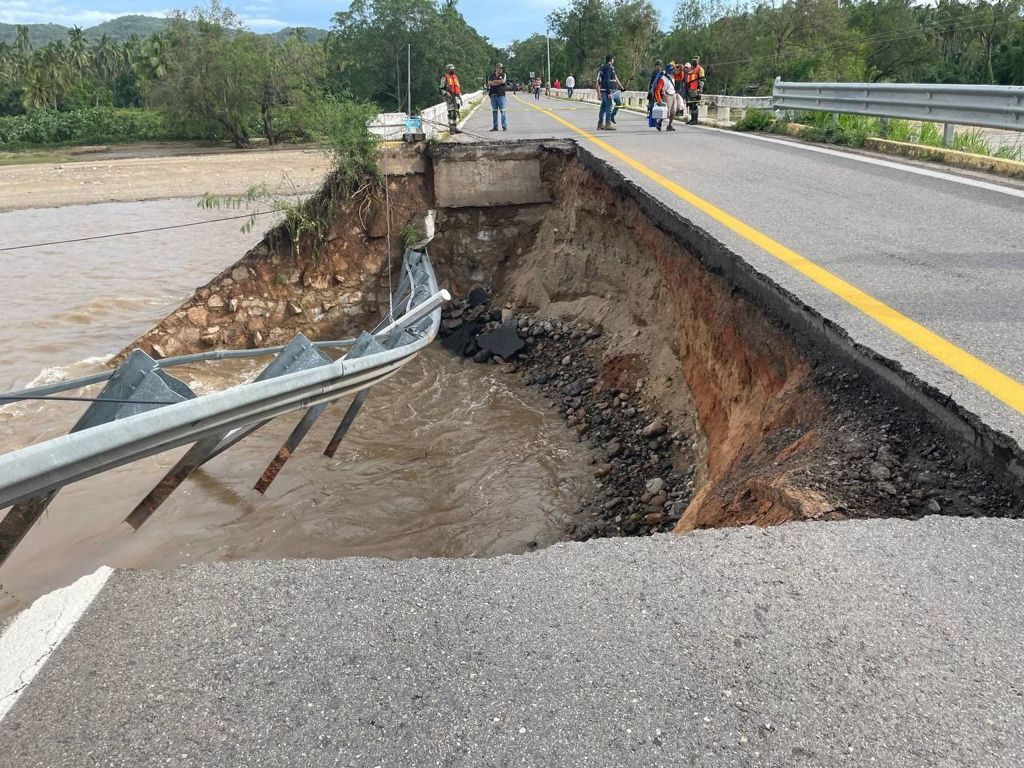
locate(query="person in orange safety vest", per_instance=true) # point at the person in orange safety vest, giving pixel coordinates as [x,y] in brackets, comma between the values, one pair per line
[452,92]
[693,82]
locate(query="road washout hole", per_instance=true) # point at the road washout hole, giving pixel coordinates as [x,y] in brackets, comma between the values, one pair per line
[687,401]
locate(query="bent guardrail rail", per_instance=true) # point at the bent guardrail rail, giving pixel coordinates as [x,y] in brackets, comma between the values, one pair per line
[142,410]
[986,106]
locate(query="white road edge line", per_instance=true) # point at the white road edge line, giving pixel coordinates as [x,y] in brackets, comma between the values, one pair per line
[878,161]
[39,630]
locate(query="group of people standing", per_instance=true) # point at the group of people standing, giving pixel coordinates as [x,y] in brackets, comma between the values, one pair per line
[675,89]
[497,85]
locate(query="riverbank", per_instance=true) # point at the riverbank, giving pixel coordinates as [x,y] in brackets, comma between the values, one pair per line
[130,179]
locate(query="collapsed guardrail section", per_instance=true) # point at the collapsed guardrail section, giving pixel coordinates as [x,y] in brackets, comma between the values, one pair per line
[142,410]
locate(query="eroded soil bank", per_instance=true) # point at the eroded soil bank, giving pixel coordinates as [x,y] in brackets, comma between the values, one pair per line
[765,418]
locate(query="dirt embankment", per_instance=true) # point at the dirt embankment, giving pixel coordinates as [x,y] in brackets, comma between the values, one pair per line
[783,434]
[329,290]
[46,185]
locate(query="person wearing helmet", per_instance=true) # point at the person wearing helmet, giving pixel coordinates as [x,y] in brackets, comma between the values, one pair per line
[451,90]
[694,84]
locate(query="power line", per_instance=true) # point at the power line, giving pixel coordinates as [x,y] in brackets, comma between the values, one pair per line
[137,231]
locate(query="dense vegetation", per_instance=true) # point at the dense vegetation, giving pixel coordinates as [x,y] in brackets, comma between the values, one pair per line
[745,46]
[203,75]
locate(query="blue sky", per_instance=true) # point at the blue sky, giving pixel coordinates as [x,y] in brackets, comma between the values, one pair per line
[501,22]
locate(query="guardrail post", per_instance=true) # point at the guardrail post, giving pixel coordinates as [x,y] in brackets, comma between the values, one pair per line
[947,134]
[884,124]
[724,113]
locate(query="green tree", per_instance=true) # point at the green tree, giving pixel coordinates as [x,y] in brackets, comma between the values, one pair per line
[585,26]
[634,34]
[217,74]
[368,50]
[78,51]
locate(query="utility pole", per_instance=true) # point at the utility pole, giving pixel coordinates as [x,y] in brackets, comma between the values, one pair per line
[548,38]
[408,79]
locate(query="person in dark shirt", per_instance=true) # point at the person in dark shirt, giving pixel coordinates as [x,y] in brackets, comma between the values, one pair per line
[607,81]
[655,77]
[496,85]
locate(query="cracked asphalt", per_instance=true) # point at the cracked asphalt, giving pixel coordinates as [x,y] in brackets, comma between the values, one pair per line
[881,642]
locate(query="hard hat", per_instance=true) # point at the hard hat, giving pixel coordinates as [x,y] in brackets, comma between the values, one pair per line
[451,67]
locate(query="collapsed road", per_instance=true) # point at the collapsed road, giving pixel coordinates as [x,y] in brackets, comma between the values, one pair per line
[893,641]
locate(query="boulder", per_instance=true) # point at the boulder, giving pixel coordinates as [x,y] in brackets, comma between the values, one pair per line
[504,341]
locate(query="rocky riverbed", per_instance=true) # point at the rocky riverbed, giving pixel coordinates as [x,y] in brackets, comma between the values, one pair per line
[868,459]
[643,466]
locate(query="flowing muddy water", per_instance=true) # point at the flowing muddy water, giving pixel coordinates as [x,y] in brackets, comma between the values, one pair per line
[447,458]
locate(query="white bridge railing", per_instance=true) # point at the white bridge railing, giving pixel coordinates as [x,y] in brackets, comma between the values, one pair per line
[727,108]
[391,126]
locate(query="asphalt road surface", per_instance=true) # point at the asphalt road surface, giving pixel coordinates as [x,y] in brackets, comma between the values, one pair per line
[924,240]
[887,643]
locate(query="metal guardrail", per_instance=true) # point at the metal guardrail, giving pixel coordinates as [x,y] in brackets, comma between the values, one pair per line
[142,410]
[986,106]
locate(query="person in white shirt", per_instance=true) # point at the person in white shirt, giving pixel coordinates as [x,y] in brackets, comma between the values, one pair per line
[570,84]
[665,93]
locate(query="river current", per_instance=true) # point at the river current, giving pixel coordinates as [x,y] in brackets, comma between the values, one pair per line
[447,458]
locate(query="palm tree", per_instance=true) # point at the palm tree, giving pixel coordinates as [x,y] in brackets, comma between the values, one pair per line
[46,79]
[21,42]
[107,59]
[78,51]
[152,63]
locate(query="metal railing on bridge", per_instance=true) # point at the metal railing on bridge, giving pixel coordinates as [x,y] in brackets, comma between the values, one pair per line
[985,106]
[142,410]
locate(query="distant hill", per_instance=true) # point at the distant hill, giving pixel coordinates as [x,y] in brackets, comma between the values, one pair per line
[312,34]
[38,34]
[123,27]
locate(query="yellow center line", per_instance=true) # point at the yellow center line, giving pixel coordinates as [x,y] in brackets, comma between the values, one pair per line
[993,381]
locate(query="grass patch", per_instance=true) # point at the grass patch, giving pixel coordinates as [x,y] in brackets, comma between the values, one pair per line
[854,130]
[755,120]
[930,135]
[31,157]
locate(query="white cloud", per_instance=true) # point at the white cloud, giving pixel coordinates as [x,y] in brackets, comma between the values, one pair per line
[265,25]
[44,12]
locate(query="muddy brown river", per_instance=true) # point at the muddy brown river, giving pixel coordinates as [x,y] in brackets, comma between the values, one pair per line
[447,458]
